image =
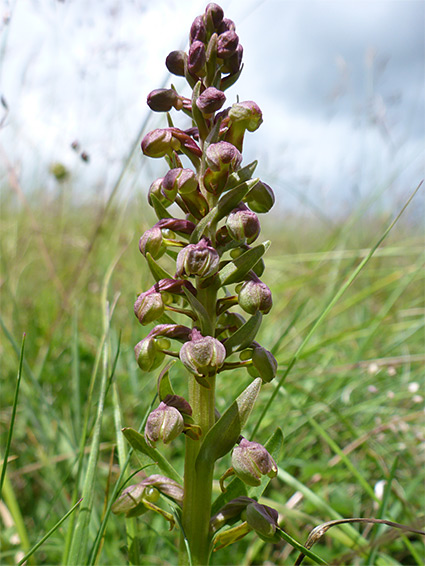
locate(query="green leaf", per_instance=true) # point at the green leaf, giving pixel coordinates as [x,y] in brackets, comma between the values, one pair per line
[164,384]
[157,271]
[159,208]
[201,226]
[243,174]
[221,438]
[236,270]
[244,336]
[138,442]
[201,313]
[237,487]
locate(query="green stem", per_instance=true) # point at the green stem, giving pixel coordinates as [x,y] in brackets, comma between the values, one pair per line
[198,486]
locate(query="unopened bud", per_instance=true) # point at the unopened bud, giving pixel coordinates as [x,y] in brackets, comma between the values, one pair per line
[260,198]
[210,100]
[263,519]
[180,180]
[163,99]
[199,259]
[164,423]
[251,461]
[147,355]
[175,63]
[230,512]
[148,307]
[254,295]
[223,156]
[197,57]
[198,30]
[264,363]
[215,13]
[227,44]
[234,62]
[152,242]
[165,196]
[243,116]
[159,142]
[202,355]
[243,224]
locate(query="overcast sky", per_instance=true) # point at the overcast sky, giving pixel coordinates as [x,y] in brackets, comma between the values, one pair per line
[340,84]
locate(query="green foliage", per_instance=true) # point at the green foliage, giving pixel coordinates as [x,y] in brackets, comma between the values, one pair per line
[348,407]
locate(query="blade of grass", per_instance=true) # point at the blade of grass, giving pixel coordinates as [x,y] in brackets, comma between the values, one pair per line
[300,547]
[328,307]
[12,418]
[48,534]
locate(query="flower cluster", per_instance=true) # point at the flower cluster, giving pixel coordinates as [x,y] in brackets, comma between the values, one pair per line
[211,236]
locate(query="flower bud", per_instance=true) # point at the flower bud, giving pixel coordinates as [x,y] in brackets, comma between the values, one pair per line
[226,25]
[215,13]
[147,355]
[174,331]
[263,519]
[176,224]
[178,403]
[163,99]
[152,242]
[227,44]
[210,100]
[251,461]
[199,259]
[243,116]
[148,307]
[230,512]
[198,31]
[175,62]
[129,499]
[164,423]
[223,156]
[234,62]
[264,363]
[243,224]
[197,57]
[260,198]
[254,295]
[202,355]
[159,142]
[181,180]
[165,197]
[166,486]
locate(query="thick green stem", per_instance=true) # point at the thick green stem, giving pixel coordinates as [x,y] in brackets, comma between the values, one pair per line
[198,486]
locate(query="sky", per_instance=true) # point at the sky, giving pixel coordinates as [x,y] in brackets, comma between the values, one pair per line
[340,83]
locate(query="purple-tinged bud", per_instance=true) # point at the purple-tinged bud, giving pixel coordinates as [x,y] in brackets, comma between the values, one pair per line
[176,225]
[129,499]
[174,286]
[215,13]
[234,62]
[186,142]
[251,461]
[152,242]
[175,331]
[148,307]
[260,198]
[199,259]
[247,114]
[163,99]
[242,116]
[254,296]
[198,31]
[159,142]
[263,519]
[223,156]
[202,355]
[264,363]
[227,44]
[226,25]
[230,512]
[197,57]
[175,63]
[210,100]
[166,197]
[166,486]
[243,224]
[164,423]
[147,355]
[180,180]
[178,403]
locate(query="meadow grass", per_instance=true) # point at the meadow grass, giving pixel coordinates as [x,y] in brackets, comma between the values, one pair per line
[349,399]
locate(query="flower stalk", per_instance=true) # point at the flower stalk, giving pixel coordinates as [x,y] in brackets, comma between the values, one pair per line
[217,269]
